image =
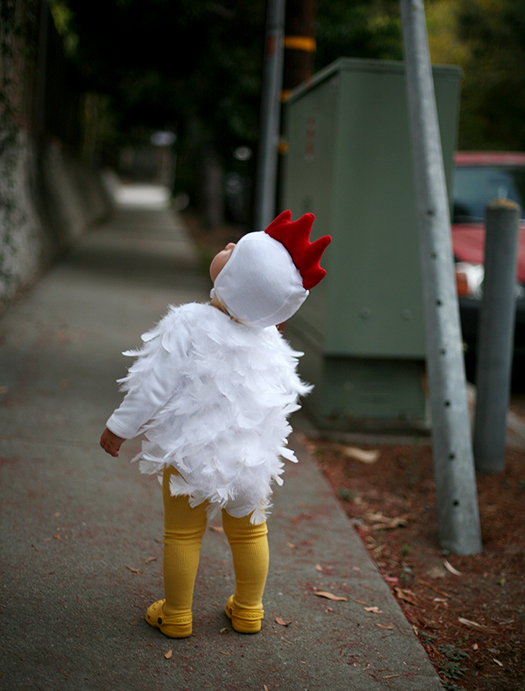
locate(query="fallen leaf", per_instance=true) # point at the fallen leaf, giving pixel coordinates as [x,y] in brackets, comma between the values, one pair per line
[386,626]
[222,652]
[391,579]
[289,544]
[374,610]
[168,654]
[405,595]
[360,602]
[132,569]
[391,676]
[371,456]
[381,522]
[150,559]
[57,537]
[475,646]
[318,567]
[475,625]
[433,587]
[498,662]
[329,596]
[224,629]
[133,623]
[265,687]
[450,568]
[280,620]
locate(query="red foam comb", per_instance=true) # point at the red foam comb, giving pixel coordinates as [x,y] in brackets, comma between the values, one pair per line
[295,236]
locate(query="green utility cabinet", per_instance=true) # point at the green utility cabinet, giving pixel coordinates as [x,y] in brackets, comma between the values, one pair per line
[349,162]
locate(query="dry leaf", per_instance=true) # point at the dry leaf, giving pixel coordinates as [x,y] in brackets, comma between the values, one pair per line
[132,569]
[280,620]
[318,567]
[391,676]
[329,596]
[385,522]
[498,662]
[374,610]
[265,687]
[475,646]
[361,454]
[289,544]
[57,537]
[386,626]
[433,587]
[168,654]
[150,559]
[475,625]
[406,595]
[471,624]
[133,623]
[224,629]
[450,568]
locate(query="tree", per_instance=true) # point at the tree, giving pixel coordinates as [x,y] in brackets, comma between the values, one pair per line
[487,39]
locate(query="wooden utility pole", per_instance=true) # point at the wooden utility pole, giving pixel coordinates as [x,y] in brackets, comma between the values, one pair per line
[299,44]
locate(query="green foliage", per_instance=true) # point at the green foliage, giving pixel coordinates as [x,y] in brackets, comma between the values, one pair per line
[452,653]
[12,41]
[167,64]
[487,39]
[344,494]
[347,28]
[452,670]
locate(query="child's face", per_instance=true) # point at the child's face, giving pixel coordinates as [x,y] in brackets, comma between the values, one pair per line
[219,261]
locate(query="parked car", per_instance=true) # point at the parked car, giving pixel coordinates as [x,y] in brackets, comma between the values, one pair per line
[479,178]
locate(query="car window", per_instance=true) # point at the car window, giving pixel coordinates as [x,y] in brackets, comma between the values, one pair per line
[475,186]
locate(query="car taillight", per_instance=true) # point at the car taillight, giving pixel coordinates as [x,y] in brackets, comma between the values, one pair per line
[462,284]
[469,280]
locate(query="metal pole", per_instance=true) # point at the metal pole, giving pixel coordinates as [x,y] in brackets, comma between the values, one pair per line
[496,335]
[456,494]
[266,182]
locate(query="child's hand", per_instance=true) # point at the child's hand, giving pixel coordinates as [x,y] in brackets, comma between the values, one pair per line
[110,442]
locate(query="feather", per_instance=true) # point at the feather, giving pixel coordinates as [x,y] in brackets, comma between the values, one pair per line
[224,424]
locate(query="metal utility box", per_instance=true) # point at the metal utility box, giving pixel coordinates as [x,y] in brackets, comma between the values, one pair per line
[349,162]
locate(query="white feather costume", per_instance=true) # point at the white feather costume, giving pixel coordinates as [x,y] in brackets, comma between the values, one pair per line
[212,397]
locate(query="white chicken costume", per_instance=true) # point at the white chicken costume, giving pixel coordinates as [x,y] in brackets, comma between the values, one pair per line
[212,392]
[211,389]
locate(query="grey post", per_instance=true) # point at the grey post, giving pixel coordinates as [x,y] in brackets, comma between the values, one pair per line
[496,335]
[267,162]
[456,493]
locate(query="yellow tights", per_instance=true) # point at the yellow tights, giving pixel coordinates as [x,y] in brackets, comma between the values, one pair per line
[183,531]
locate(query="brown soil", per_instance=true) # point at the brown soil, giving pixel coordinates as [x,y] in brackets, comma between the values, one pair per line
[471,621]
[469,612]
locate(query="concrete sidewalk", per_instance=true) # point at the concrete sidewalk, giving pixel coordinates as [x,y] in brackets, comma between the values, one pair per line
[81,532]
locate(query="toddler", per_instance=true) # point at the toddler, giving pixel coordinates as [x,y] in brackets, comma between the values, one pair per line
[211,390]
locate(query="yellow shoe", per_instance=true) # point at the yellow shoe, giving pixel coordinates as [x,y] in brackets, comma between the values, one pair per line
[244,620]
[173,626]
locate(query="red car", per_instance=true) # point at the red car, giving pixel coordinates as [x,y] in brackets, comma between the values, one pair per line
[479,178]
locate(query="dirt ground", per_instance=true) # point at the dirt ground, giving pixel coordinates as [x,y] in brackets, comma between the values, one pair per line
[469,612]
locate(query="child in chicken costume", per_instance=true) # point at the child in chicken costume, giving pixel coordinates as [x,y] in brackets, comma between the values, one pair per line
[211,389]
